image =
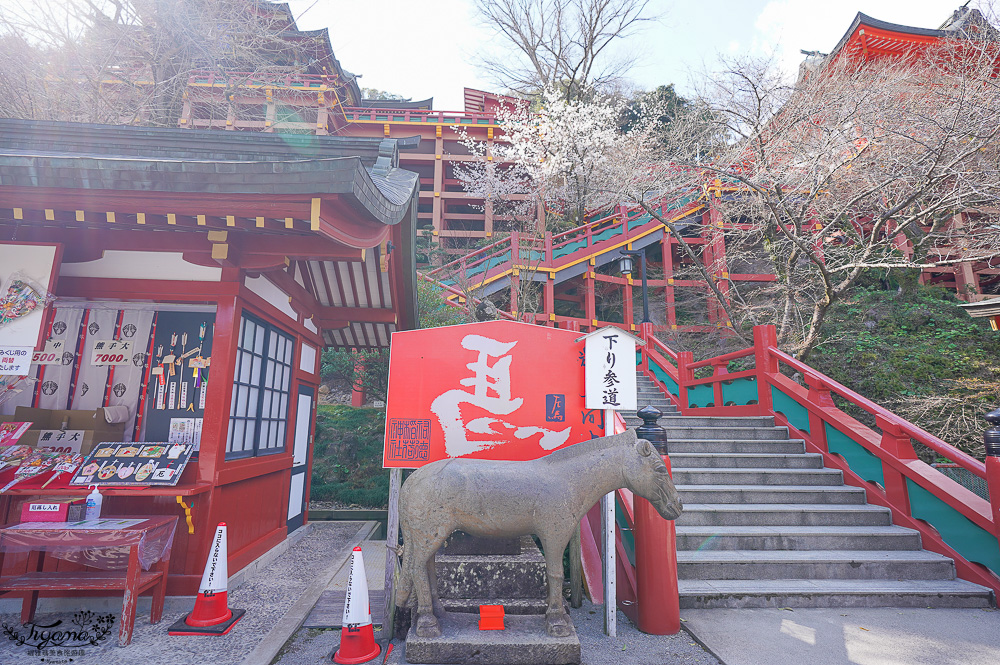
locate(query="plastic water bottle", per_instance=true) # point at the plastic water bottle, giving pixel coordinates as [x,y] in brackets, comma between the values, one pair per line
[94,501]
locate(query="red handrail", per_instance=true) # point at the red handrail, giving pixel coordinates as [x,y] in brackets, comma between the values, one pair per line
[914,432]
[899,463]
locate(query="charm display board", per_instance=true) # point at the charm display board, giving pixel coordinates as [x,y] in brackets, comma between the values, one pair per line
[179,375]
[138,463]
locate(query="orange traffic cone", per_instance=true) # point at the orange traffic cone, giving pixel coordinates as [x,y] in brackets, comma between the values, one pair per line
[357,639]
[211,614]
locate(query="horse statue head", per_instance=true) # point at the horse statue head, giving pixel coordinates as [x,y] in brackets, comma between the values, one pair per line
[647,476]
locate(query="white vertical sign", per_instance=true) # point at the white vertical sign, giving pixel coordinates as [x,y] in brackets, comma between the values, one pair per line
[609,374]
[609,379]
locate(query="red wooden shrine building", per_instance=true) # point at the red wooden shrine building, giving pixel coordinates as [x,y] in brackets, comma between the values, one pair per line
[262,250]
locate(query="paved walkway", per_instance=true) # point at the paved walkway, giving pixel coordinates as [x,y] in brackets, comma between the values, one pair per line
[314,647]
[280,596]
[882,636]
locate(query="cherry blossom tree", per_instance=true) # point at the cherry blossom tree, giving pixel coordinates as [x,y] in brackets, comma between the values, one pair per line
[848,170]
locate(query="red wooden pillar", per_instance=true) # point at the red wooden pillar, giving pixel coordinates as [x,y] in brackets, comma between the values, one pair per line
[717,241]
[549,297]
[215,427]
[628,315]
[668,275]
[590,296]
[764,337]
[358,388]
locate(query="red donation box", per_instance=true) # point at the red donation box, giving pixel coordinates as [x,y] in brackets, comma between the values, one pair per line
[497,390]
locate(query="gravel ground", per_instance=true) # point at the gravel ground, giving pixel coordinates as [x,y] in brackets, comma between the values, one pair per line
[266,598]
[313,647]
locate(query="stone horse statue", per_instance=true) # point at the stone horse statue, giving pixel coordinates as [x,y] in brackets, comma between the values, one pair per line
[545,497]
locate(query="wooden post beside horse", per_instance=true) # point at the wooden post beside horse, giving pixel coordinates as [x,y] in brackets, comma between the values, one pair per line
[546,497]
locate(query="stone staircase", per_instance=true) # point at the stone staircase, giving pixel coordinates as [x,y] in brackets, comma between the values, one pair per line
[765,525]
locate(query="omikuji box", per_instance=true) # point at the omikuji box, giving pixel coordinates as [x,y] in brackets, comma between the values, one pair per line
[53,510]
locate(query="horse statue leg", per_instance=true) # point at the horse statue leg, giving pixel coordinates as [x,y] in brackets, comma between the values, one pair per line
[425,544]
[557,623]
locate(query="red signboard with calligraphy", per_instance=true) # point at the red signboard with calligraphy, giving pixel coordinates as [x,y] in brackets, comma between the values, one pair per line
[496,390]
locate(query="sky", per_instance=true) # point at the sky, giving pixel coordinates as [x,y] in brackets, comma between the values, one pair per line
[423,48]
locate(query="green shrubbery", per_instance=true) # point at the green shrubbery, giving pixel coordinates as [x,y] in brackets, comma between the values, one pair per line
[347,458]
[914,351]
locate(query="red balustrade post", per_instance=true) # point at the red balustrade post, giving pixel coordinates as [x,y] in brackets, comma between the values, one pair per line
[897,443]
[991,438]
[718,369]
[819,398]
[763,338]
[685,375]
[655,548]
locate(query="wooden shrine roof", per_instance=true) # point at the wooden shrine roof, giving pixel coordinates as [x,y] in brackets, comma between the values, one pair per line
[869,37]
[325,206]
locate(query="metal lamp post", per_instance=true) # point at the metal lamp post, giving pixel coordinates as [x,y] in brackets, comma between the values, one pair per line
[626,265]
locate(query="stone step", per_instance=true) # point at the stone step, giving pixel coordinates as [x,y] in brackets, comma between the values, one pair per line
[523,641]
[510,605]
[663,407]
[814,564]
[790,446]
[712,433]
[783,514]
[735,476]
[706,594]
[844,494]
[716,421]
[796,538]
[764,525]
[680,460]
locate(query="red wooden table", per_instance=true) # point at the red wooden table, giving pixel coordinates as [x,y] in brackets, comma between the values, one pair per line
[131,558]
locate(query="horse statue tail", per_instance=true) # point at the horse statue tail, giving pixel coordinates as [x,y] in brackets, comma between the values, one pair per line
[404,583]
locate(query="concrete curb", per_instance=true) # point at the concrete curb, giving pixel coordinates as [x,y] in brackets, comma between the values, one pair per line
[286,626]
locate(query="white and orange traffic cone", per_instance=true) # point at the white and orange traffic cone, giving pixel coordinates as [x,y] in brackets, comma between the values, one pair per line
[211,614]
[357,637]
